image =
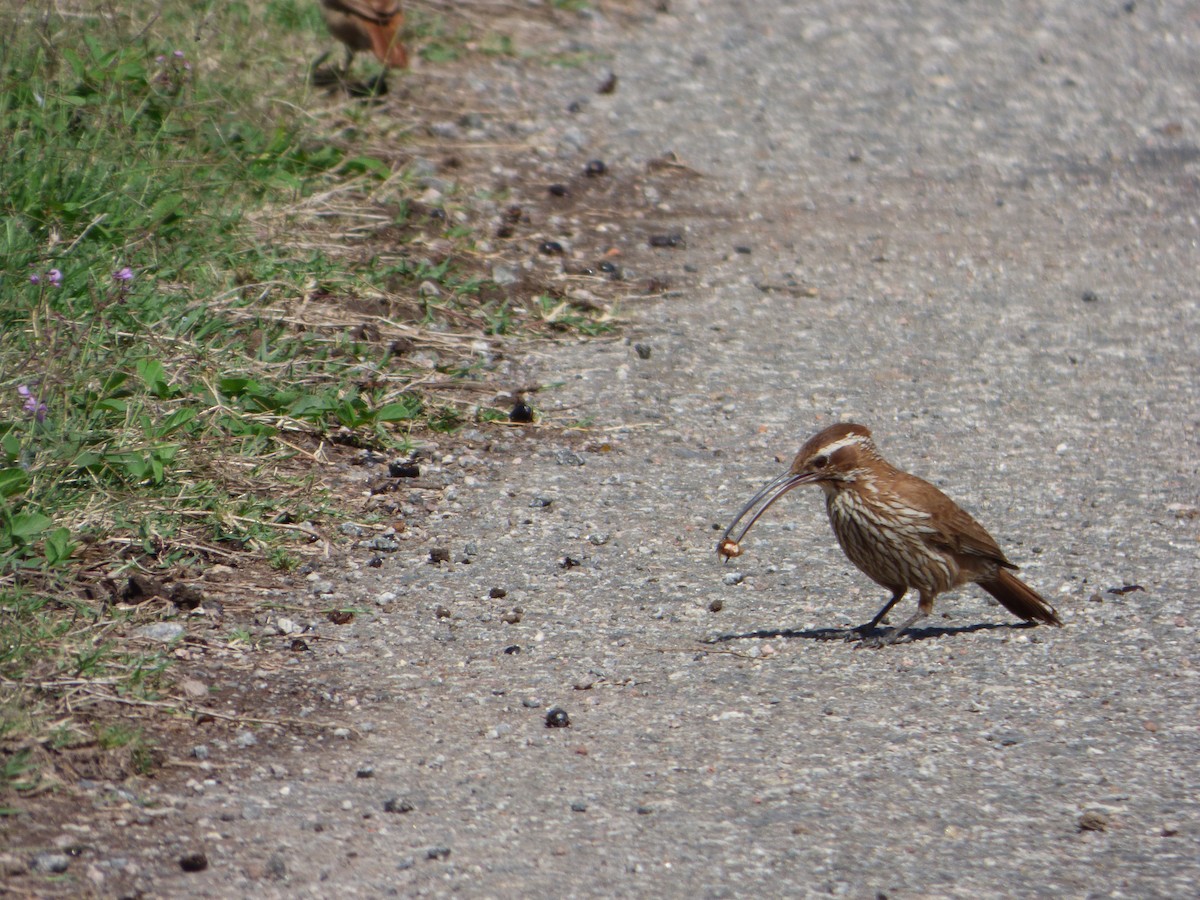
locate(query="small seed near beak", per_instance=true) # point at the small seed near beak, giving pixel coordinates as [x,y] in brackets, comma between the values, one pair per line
[729,549]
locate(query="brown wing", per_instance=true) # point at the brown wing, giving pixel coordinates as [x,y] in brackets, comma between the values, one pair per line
[953,527]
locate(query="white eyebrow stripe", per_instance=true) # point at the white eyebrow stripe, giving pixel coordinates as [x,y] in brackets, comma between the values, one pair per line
[830,449]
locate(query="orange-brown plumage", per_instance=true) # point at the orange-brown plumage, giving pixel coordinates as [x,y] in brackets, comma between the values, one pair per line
[897,528]
[368,25]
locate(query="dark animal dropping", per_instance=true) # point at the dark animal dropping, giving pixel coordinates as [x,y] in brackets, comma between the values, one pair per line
[674,239]
[404,469]
[193,862]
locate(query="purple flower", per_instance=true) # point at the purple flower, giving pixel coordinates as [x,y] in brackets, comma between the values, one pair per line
[32,405]
[35,278]
[179,54]
[125,274]
[54,277]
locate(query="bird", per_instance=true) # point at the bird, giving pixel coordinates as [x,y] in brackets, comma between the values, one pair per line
[367,25]
[900,530]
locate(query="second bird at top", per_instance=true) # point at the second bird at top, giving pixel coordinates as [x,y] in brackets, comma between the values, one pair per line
[368,25]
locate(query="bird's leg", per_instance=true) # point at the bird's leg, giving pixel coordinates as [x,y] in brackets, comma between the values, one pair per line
[863,630]
[924,608]
[318,76]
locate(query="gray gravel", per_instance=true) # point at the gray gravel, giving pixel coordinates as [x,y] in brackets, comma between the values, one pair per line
[972,227]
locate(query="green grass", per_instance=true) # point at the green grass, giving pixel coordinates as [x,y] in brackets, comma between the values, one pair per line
[162,207]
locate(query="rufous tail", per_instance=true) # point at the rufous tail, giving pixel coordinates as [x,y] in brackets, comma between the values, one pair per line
[1020,599]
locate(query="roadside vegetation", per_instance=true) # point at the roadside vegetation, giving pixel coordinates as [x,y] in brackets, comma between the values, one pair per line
[210,274]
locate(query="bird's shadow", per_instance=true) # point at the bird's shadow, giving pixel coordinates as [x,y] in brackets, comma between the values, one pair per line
[849,635]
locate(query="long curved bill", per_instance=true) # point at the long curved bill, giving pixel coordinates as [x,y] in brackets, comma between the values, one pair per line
[770,492]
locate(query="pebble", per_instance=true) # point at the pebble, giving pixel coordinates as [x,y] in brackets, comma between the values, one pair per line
[733,578]
[50,863]
[245,739]
[383,544]
[437,853]
[568,458]
[398,805]
[160,631]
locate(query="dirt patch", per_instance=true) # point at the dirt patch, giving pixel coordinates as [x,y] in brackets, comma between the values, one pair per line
[565,242]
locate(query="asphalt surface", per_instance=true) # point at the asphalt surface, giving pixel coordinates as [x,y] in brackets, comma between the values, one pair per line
[971,227]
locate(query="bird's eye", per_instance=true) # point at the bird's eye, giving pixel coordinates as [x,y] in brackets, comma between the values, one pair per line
[819,462]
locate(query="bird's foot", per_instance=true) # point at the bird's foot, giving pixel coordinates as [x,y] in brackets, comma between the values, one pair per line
[860,632]
[372,87]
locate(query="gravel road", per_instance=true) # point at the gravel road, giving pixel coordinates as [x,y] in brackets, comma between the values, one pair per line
[970,226]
